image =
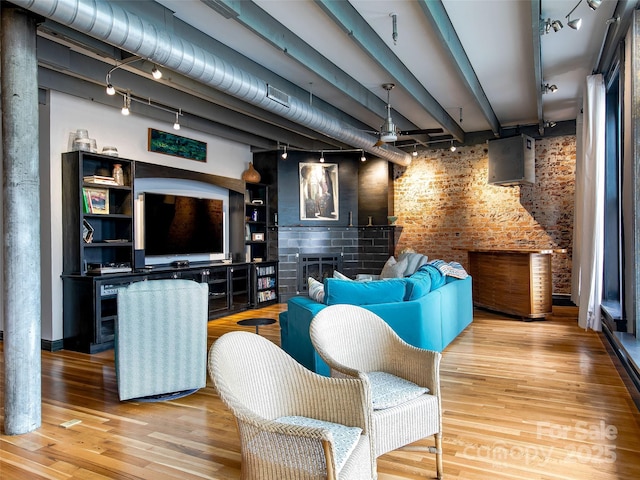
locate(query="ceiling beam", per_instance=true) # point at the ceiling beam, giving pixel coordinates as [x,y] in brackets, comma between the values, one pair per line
[257,20]
[536,29]
[348,18]
[437,15]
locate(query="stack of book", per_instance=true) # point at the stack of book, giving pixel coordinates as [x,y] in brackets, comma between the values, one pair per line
[99,179]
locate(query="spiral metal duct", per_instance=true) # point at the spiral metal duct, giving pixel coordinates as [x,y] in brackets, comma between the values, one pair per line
[114,25]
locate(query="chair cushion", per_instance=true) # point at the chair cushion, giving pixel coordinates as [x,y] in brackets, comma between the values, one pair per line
[387,390]
[418,285]
[363,293]
[316,290]
[345,438]
[340,276]
[414,261]
[393,268]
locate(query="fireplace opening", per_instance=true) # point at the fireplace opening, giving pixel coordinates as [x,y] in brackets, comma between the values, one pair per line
[318,266]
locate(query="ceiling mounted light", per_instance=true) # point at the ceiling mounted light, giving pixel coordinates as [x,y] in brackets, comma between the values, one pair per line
[415,152]
[594,4]
[157,74]
[394,27]
[546,88]
[556,25]
[576,23]
[126,105]
[452,147]
[110,89]
[549,124]
[284,153]
[176,125]
[321,157]
[362,157]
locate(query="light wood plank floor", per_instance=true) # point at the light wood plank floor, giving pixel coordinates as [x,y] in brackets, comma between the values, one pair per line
[521,400]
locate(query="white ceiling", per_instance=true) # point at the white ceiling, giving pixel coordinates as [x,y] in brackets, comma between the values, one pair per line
[498,91]
[495,34]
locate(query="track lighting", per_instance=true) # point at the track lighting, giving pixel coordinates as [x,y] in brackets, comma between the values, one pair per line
[415,152]
[549,124]
[126,104]
[284,153]
[157,74]
[594,4]
[556,25]
[362,157]
[321,157]
[576,23]
[546,88]
[452,147]
[176,125]
[110,89]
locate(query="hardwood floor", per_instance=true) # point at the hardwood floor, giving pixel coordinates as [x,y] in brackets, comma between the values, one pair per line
[521,400]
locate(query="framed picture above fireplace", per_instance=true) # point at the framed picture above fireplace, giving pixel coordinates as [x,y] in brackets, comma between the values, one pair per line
[319,191]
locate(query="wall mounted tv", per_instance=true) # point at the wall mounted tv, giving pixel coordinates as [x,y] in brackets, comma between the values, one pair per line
[183,227]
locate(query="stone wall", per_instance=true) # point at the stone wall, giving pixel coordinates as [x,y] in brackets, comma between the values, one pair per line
[445,206]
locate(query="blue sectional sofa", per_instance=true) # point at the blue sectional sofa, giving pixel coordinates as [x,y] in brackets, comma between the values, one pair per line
[425,310]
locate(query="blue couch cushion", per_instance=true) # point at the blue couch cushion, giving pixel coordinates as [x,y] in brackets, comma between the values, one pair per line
[437,278]
[363,293]
[418,285]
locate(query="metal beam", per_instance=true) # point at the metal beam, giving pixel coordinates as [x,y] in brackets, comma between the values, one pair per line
[268,28]
[348,18]
[536,29]
[442,26]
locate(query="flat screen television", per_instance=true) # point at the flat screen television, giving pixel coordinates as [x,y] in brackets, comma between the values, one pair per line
[183,227]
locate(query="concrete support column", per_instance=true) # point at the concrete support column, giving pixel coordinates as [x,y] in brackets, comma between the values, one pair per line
[21,221]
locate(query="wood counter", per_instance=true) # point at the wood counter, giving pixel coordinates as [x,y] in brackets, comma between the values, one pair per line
[516,282]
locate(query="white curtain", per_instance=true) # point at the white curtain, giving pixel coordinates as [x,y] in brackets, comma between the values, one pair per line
[586,288]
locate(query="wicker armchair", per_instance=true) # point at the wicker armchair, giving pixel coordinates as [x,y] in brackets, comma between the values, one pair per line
[261,384]
[354,341]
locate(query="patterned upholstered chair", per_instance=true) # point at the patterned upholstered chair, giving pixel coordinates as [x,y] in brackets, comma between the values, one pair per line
[161,338]
[293,423]
[405,380]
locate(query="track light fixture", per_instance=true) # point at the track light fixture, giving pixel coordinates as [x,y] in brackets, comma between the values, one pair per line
[414,154]
[284,153]
[576,23]
[362,157]
[546,88]
[126,104]
[321,156]
[594,4]
[452,147]
[157,74]
[176,125]
[549,124]
[110,89]
[549,24]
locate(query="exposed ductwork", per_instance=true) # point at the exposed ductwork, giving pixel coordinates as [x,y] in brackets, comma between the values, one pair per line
[111,23]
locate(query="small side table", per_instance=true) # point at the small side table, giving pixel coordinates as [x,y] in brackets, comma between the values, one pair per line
[256,322]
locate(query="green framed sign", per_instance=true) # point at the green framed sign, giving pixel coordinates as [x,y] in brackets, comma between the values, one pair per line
[177,146]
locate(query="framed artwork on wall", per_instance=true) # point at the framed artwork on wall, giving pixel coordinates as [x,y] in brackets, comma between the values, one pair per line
[319,199]
[172,144]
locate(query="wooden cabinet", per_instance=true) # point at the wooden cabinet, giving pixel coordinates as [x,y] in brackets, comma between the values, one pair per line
[516,282]
[97,214]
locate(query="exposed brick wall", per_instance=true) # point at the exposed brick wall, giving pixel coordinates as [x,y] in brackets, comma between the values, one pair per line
[445,206]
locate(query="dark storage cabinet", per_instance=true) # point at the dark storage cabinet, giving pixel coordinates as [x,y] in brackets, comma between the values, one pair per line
[265,282]
[90,302]
[94,237]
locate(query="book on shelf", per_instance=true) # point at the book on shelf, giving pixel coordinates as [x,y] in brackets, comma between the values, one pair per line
[100,179]
[95,200]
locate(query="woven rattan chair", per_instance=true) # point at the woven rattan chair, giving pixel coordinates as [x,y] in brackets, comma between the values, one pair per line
[261,384]
[354,341]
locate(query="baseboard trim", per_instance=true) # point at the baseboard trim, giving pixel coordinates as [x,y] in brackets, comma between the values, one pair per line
[627,368]
[47,345]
